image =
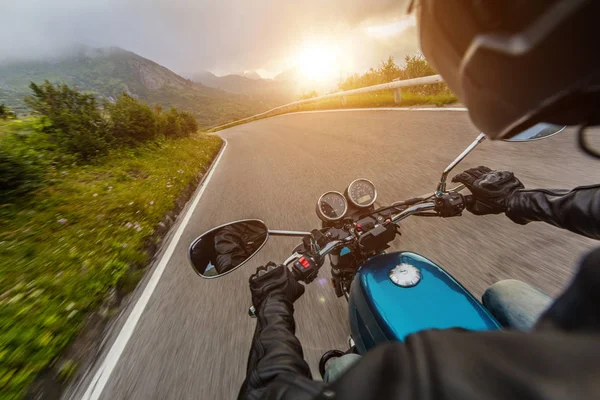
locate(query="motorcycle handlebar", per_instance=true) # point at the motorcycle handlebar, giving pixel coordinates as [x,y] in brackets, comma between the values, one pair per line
[415,209]
[469,200]
[416,206]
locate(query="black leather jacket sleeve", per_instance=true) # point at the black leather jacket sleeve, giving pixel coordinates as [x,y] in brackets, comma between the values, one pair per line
[577,210]
[276,367]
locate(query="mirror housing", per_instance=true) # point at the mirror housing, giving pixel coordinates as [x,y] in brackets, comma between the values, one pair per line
[589,141]
[227,247]
[536,132]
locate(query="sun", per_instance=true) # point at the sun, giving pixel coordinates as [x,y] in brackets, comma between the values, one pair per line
[317,62]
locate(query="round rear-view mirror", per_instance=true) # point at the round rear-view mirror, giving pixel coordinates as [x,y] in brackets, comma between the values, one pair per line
[226,248]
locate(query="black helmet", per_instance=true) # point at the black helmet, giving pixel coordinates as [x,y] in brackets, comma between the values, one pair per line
[514,63]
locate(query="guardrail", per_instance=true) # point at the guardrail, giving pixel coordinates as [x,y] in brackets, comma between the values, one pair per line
[395,85]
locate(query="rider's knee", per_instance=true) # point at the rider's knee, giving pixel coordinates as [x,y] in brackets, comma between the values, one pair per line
[500,291]
[515,304]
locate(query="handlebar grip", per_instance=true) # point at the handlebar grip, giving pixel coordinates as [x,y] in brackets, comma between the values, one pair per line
[469,200]
[296,274]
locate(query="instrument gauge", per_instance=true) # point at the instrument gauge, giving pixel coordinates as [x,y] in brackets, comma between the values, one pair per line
[332,206]
[362,193]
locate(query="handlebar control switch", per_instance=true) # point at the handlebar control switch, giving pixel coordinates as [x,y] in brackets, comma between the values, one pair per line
[450,204]
[306,269]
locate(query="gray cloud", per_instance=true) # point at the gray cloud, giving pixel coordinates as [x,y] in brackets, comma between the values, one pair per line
[193,35]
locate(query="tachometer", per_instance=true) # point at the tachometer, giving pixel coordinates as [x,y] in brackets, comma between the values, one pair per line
[362,193]
[332,206]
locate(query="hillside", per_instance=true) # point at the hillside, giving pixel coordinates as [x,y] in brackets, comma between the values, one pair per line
[271,92]
[110,71]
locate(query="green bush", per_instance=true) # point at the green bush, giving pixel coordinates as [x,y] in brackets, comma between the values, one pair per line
[132,122]
[170,124]
[21,168]
[76,123]
[189,124]
[176,124]
[6,113]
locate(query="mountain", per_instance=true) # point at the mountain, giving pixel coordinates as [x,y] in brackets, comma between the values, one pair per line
[108,72]
[289,75]
[252,75]
[269,91]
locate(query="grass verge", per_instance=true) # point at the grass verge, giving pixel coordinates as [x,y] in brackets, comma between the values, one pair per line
[86,230]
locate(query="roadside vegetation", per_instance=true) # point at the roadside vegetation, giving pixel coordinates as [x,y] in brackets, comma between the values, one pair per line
[415,66]
[6,113]
[84,192]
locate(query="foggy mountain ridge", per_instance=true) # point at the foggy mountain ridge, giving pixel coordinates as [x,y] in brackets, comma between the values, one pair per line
[286,87]
[108,72]
[272,91]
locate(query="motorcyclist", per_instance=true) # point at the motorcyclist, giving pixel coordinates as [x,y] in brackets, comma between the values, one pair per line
[512,63]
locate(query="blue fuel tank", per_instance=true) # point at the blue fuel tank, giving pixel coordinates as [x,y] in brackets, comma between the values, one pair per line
[381,310]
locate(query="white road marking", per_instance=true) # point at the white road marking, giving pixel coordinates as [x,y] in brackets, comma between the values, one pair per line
[103,373]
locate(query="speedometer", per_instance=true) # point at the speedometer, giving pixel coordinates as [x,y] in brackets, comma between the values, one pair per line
[362,193]
[332,206]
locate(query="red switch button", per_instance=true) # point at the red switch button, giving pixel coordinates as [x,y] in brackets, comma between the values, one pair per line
[304,262]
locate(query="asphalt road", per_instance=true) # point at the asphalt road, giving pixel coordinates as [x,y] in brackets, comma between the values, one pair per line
[192,340]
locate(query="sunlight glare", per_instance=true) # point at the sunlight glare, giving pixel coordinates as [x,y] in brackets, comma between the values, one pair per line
[317,62]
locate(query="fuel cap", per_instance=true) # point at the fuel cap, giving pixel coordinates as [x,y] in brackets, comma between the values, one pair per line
[405,275]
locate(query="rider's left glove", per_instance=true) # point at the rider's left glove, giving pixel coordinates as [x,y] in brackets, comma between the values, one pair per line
[274,280]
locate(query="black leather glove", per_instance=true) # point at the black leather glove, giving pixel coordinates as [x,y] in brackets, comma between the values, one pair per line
[274,280]
[491,189]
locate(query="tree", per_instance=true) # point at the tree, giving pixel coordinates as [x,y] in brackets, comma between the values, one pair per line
[416,67]
[76,124]
[5,112]
[189,123]
[131,121]
[170,123]
[389,70]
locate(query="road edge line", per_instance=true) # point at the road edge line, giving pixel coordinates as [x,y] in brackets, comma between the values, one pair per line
[103,373]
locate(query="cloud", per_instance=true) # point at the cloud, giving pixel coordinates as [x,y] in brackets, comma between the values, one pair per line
[193,35]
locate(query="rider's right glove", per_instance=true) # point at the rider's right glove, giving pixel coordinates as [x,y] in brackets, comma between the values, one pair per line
[492,190]
[272,280]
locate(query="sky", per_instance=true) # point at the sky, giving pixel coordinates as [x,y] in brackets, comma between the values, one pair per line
[323,38]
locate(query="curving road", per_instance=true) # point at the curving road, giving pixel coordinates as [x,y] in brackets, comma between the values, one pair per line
[192,340]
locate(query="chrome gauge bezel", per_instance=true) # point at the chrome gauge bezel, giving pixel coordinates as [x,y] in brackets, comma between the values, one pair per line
[352,200]
[320,213]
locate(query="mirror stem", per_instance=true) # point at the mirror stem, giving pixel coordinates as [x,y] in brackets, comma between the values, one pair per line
[442,186]
[288,233]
